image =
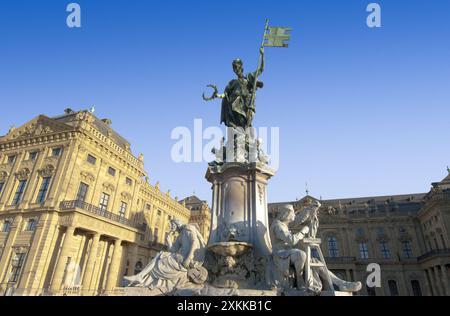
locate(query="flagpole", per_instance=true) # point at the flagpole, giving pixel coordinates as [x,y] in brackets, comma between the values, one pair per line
[252,104]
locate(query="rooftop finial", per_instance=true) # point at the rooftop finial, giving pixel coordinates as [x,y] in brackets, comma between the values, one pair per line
[306,188]
[92,110]
[448,169]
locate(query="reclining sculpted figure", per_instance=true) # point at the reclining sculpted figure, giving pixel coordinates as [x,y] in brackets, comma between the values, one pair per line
[178,266]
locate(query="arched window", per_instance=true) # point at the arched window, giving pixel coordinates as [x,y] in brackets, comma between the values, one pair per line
[393,289]
[138,267]
[415,285]
[333,249]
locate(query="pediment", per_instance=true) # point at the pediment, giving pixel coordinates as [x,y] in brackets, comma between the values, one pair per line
[38,126]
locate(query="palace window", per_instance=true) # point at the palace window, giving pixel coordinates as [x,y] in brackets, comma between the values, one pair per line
[148,207]
[406,248]
[11,159]
[159,212]
[415,285]
[393,288]
[17,264]
[111,171]
[2,185]
[129,182]
[82,192]
[91,159]
[19,192]
[56,152]
[42,194]
[359,232]
[31,225]
[104,200]
[33,155]
[123,209]
[384,248]
[380,231]
[363,250]
[333,250]
[6,226]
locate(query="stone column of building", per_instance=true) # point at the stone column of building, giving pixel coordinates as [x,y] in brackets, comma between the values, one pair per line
[112,277]
[429,282]
[61,264]
[29,272]
[91,263]
[7,251]
[446,287]
[437,284]
[60,175]
[133,258]
[34,180]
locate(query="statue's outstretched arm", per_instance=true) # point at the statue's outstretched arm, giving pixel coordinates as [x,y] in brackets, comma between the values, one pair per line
[261,68]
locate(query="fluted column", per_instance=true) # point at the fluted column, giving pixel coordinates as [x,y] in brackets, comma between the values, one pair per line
[113,272]
[91,263]
[62,260]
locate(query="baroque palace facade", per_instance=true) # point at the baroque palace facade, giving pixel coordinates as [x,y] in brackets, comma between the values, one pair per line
[76,210]
[77,213]
[408,236]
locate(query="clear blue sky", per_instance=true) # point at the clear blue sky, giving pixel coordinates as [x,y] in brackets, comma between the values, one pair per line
[361,111]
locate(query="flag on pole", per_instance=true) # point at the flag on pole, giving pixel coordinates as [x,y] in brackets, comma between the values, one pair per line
[277,37]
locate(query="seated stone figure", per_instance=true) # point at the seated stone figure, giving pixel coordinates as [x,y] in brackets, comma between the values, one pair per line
[285,254]
[178,266]
[288,250]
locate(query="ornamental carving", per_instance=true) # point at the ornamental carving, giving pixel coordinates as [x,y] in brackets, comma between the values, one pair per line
[3,175]
[47,171]
[108,187]
[87,177]
[84,116]
[261,193]
[126,196]
[35,129]
[23,174]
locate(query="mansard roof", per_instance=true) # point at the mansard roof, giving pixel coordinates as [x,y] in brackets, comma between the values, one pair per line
[101,125]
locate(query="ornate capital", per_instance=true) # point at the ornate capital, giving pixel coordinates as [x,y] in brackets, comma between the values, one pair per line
[23,174]
[47,171]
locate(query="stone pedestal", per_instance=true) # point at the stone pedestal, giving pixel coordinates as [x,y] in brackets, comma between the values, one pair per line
[239,204]
[239,247]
